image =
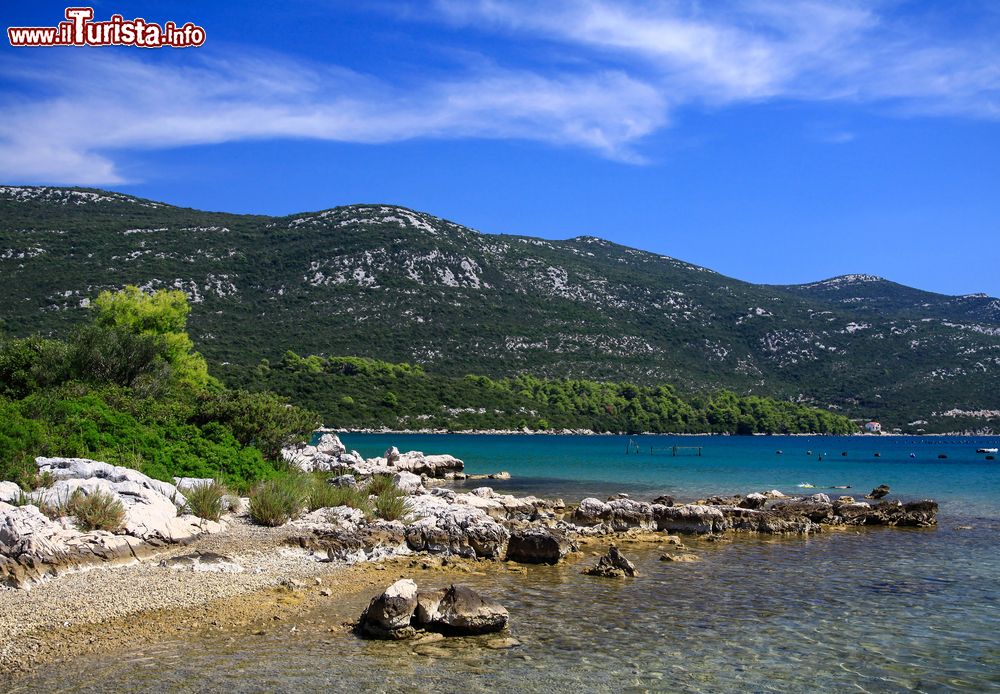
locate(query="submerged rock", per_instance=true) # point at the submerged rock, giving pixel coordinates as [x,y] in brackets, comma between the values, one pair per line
[613,565]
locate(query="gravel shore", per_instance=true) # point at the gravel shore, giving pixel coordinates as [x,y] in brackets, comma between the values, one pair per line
[108,608]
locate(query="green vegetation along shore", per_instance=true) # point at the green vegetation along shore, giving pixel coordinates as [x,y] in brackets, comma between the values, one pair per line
[354,392]
[129,389]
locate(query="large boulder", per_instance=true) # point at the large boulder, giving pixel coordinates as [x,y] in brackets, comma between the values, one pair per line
[443,528]
[538,545]
[328,454]
[816,511]
[336,534]
[460,611]
[754,500]
[329,444]
[916,514]
[84,469]
[388,616]
[613,565]
[149,515]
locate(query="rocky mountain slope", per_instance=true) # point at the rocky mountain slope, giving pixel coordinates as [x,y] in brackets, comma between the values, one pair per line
[400,285]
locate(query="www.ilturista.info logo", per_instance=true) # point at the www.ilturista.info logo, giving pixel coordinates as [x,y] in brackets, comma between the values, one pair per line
[79,29]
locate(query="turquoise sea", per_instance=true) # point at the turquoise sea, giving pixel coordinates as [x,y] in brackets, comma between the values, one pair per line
[880,610]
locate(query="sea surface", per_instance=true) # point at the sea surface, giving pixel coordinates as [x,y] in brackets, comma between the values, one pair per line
[875,610]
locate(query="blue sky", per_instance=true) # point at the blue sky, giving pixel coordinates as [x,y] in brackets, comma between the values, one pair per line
[772,140]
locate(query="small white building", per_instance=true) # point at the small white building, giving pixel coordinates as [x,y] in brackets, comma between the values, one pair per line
[873,428]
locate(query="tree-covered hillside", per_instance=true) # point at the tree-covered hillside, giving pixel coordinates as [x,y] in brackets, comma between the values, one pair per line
[402,286]
[357,393]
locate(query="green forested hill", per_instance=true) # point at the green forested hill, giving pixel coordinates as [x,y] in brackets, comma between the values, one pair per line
[355,393]
[394,284]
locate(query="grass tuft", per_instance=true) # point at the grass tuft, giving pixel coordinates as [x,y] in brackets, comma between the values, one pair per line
[276,501]
[206,501]
[98,510]
[389,505]
[380,484]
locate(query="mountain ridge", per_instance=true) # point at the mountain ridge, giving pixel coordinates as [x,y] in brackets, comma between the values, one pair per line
[398,284]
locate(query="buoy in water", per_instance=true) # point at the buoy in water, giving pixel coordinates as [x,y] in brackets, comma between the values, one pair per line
[942,456]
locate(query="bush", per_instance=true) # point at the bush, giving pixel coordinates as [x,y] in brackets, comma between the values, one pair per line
[389,505]
[98,510]
[276,501]
[382,483]
[205,500]
[264,420]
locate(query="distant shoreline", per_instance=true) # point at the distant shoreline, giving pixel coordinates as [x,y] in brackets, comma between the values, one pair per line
[587,432]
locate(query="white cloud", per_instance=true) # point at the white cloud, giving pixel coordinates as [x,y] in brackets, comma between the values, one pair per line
[106,102]
[727,52]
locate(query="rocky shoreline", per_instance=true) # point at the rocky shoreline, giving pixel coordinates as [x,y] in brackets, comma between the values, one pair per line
[59,579]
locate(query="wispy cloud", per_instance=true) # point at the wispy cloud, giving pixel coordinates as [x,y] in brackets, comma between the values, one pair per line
[106,102]
[633,65]
[727,52]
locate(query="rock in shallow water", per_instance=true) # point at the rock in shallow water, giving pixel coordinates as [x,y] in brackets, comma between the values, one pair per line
[880,492]
[613,565]
[454,611]
[460,611]
[389,615]
[538,546]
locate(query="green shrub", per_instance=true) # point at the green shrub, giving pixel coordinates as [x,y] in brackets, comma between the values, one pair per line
[98,510]
[276,501]
[389,505]
[206,500]
[382,483]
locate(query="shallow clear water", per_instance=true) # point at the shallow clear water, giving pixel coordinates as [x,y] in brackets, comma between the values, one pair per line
[880,610]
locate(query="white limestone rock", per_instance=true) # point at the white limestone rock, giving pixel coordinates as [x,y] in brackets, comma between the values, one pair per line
[9,492]
[407,482]
[84,468]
